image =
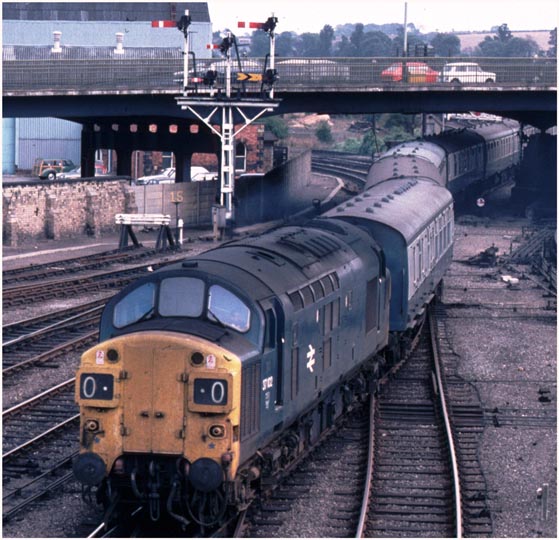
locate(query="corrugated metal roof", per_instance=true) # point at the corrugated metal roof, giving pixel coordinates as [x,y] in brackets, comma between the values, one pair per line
[27,52]
[100,11]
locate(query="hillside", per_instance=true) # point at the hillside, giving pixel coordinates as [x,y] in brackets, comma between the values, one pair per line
[471,40]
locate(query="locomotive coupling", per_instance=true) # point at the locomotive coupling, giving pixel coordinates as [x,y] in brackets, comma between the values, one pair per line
[89,468]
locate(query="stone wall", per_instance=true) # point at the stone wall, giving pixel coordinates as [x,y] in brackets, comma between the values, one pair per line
[63,209]
[73,208]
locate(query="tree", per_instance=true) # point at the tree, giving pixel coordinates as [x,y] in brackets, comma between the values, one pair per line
[323,132]
[356,39]
[326,37]
[552,43]
[503,33]
[521,48]
[285,44]
[277,125]
[377,44]
[446,45]
[345,48]
[414,38]
[309,45]
[490,46]
[259,44]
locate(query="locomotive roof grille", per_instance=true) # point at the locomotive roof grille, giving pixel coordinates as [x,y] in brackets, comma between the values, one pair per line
[318,246]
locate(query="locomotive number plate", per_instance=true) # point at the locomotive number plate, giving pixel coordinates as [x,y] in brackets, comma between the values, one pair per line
[96,386]
[210,391]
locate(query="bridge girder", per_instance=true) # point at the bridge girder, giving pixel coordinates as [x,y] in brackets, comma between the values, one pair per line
[537,107]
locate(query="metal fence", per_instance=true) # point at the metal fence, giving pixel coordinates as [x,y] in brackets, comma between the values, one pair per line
[93,69]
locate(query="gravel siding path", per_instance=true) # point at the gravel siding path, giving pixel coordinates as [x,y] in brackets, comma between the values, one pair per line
[507,341]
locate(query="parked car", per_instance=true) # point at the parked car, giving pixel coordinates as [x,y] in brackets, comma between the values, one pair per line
[167,176]
[198,174]
[100,170]
[466,72]
[418,72]
[50,168]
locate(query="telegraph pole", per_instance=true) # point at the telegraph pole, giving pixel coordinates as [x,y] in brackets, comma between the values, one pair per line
[204,103]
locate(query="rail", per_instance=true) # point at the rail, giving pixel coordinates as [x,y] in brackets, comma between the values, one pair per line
[448,427]
[159,70]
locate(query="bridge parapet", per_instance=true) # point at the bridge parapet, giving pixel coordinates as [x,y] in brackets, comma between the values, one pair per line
[94,70]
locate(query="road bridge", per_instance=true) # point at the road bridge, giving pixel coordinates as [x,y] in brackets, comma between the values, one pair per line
[84,84]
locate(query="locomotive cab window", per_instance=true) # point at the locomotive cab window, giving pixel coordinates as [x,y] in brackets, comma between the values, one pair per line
[228,309]
[181,297]
[136,306]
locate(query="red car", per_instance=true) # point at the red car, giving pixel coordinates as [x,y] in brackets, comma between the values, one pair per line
[418,72]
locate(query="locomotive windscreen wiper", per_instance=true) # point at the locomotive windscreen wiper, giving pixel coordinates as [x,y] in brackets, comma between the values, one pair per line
[147,315]
[210,312]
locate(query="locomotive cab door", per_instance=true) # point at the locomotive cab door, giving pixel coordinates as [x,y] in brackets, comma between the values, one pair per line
[272,357]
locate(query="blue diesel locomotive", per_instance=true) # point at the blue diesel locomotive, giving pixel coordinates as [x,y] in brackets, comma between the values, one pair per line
[214,374]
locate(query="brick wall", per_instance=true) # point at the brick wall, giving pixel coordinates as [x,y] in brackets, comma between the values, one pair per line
[63,209]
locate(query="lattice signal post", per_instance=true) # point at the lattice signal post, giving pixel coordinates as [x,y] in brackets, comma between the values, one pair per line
[204,101]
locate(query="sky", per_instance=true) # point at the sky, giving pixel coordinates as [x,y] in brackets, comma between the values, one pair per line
[428,15]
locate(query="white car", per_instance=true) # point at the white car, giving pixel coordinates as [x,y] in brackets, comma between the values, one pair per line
[466,72]
[167,176]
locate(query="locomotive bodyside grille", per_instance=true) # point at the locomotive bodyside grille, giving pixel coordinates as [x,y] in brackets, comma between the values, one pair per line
[250,401]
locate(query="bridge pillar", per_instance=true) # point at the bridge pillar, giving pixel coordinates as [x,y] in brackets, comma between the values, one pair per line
[123,161]
[87,158]
[183,162]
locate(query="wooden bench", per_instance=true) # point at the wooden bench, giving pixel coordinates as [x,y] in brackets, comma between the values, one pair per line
[127,221]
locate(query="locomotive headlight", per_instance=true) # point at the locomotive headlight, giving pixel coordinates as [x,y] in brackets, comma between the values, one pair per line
[217,431]
[92,425]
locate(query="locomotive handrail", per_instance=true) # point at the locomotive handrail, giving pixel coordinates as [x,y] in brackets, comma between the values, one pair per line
[448,427]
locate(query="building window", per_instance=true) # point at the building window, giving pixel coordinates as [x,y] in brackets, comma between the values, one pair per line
[240,158]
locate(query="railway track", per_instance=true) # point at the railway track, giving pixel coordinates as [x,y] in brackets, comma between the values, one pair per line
[413,488]
[338,468]
[427,478]
[63,288]
[39,272]
[39,443]
[42,340]
[414,473]
[353,169]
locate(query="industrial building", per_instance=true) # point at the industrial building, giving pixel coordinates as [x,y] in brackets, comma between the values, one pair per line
[118,25]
